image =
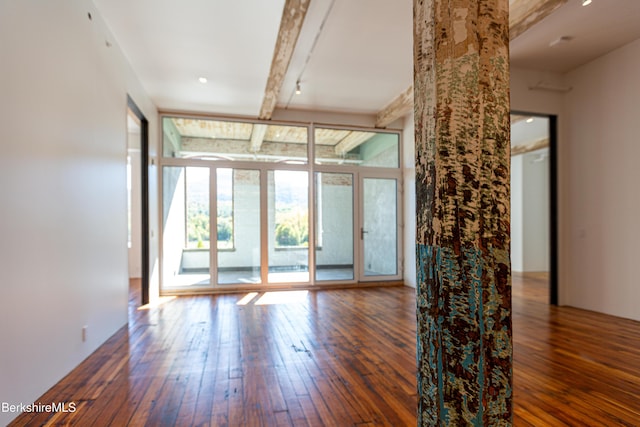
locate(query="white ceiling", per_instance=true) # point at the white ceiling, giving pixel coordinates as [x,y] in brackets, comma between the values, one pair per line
[529,130]
[596,29]
[170,44]
[363,58]
[358,61]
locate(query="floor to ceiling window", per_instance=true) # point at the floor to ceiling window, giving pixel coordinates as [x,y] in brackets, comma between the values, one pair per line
[255,205]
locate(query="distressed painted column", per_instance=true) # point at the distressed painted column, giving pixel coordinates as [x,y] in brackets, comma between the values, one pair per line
[461,98]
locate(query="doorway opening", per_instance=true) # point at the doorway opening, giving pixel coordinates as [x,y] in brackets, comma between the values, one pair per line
[138,192]
[534,198]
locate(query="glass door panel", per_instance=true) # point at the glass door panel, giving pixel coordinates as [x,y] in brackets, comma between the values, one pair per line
[379,232]
[334,226]
[288,222]
[238,226]
[186,226]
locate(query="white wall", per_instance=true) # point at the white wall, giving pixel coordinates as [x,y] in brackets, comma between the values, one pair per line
[536,101]
[530,211]
[535,209]
[334,118]
[63,250]
[603,136]
[517,215]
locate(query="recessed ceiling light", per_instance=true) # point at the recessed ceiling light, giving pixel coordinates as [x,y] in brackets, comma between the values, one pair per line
[586,2]
[530,120]
[202,79]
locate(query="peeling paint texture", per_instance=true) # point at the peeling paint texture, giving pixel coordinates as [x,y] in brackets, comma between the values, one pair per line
[461,101]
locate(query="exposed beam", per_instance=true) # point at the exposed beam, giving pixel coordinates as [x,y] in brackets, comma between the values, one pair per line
[236,148]
[242,149]
[290,25]
[257,136]
[523,14]
[517,118]
[527,148]
[351,141]
[397,108]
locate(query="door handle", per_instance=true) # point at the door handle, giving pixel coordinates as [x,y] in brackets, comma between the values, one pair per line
[362,233]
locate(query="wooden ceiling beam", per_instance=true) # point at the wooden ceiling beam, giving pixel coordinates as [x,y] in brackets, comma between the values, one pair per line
[293,16]
[529,147]
[523,14]
[257,137]
[517,118]
[397,108]
[351,141]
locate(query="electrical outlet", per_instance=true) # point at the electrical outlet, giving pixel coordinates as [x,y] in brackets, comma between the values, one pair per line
[84,333]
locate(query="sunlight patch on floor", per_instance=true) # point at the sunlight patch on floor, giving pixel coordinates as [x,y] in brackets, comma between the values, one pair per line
[247,298]
[282,297]
[157,303]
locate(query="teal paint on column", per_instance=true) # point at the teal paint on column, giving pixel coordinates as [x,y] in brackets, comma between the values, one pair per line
[461,96]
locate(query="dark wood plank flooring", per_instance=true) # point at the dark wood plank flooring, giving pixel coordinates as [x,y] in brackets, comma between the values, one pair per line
[572,367]
[335,358]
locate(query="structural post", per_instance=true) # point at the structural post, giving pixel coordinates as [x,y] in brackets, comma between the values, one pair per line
[461,101]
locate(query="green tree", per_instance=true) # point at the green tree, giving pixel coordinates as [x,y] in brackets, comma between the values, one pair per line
[197,226]
[293,230]
[225,230]
[287,235]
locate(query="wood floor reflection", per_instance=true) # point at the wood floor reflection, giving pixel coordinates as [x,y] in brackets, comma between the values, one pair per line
[335,357]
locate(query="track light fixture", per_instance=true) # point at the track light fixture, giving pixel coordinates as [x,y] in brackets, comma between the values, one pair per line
[298,90]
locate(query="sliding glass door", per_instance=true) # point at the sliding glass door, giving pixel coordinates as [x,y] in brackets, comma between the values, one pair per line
[288,222]
[238,226]
[334,253]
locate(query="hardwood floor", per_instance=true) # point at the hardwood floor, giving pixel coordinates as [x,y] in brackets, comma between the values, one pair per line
[335,358]
[572,367]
